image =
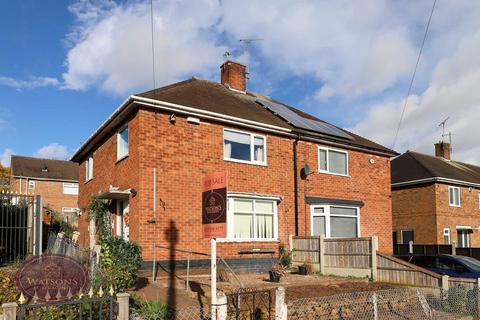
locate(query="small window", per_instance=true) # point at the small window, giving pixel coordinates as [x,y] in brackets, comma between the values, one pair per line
[70,188]
[454,196]
[122,143]
[333,161]
[407,236]
[31,185]
[244,147]
[89,168]
[253,219]
[446,236]
[70,210]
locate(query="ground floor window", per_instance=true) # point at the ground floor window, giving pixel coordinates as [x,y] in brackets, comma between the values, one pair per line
[446,236]
[335,221]
[252,219]
[407,236]
[463,238]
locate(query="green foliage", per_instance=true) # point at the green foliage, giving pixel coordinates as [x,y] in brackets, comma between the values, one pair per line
[99,212]
[150,310]
[285,258]
[58,224]
[8,288]
[120,261]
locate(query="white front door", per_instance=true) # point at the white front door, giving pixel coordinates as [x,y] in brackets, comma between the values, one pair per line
[121,227]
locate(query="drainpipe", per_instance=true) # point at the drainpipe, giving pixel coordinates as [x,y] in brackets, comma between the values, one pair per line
[295,177]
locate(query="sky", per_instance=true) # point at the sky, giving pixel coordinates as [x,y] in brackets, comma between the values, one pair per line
[65,66]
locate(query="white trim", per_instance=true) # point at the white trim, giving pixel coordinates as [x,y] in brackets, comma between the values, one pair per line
[255,196]
[447,233]
[436,179]
[463,228]
[327,149]
[327,214]
[252,147]
[450,200]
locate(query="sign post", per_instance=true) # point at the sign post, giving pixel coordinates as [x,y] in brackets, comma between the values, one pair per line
[214,222]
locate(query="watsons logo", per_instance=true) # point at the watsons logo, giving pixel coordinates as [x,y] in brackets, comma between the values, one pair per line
[51,278]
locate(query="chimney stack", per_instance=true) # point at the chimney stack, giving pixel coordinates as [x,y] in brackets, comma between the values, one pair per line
[443,149]
[234,75]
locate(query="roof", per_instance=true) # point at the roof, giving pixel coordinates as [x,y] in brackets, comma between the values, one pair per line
[213,98]
[413,166]
[35,168]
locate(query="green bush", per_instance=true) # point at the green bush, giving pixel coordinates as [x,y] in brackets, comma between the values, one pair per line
[120,261]
[150,310]
[8,287]
[285,258]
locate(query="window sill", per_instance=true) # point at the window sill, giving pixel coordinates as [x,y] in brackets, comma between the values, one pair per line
[334,174]
[87,181]
[261,164]
[227,240]
[121,159]
[454,206]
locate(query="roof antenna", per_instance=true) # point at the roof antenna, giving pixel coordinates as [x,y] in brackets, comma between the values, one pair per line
[442,124]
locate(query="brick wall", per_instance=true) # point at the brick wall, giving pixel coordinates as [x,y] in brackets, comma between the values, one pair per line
[183,153]
[426,210]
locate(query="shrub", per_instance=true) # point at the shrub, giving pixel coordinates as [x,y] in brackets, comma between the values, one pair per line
[99,212]
[8,288]
[285,258]
[150,310]
[120,261]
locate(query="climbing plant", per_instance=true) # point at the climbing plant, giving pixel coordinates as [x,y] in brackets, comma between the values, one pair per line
[98,210]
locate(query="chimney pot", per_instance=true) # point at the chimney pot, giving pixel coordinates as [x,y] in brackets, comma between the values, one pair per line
[234,75]
[443,149]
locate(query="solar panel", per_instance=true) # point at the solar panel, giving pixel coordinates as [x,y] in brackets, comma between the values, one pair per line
[300,122]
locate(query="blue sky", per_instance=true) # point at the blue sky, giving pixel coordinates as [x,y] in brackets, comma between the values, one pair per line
[65,66]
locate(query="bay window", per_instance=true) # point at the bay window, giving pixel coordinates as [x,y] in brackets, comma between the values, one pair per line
[244,147]
[335,221]
[252,219]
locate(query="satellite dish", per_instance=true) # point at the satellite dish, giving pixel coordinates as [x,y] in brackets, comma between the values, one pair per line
[305,172]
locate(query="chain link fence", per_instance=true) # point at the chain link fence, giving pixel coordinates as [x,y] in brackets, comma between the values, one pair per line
[406,303]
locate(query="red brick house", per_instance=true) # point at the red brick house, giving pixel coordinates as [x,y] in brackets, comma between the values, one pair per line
[149,156]
[435,200]
[56,181]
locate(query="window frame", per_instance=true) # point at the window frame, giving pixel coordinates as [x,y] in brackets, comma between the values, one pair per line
[31,184]
[451,204]
[70,184]
[70,210]
[407,230]
[328,164]
[447,234]
[119,136]
[89,168]
[252,147]
[230,219]
[327,214]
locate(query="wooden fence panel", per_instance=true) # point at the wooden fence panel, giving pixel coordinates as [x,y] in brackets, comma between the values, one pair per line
[348,253]
[393,270]
[306,249]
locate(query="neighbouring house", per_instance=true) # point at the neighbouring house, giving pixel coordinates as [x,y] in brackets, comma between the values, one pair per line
[56,181]
[435,200]
[148,158]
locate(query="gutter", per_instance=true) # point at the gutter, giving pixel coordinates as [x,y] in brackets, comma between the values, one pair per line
[436,180]
[44,179]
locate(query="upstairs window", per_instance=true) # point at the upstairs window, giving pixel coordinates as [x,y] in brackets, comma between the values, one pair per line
[31,185]
[89,168]
[244,147]
[70,188]
[333,161]
[454,197]
[407,236]
[122,143]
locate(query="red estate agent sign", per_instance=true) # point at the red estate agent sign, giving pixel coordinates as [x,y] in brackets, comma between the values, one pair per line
[214,205]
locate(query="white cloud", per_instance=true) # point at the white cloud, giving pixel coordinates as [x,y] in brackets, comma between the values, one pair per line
[5,157]
[52,151]
[32,83]
[112,44]
[452,92]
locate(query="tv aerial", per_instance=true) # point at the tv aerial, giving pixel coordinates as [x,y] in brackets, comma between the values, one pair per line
[449,134]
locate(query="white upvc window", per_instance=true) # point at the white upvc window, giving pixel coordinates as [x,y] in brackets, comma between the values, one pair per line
[122,143]
[252,219]
[334,221]
[446,236]
[70,188]
[332,161]
[31,185]
[70,210]
[244,147]
[454,198]
[89,168]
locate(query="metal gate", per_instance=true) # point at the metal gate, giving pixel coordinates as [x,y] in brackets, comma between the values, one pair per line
[251,304]
[20,227]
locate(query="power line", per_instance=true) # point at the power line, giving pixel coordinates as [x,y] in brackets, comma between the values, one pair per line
[414,73]
[153,45]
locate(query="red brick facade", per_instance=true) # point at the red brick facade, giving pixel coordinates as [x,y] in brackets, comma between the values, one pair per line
[183,153]
[426,210]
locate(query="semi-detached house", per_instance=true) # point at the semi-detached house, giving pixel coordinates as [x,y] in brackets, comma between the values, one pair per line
[148,158]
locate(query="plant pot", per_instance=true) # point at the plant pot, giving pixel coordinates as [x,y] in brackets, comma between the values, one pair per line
[302,270]
[274,276]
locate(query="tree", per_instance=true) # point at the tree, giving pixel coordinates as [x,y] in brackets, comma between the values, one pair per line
[4,178]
